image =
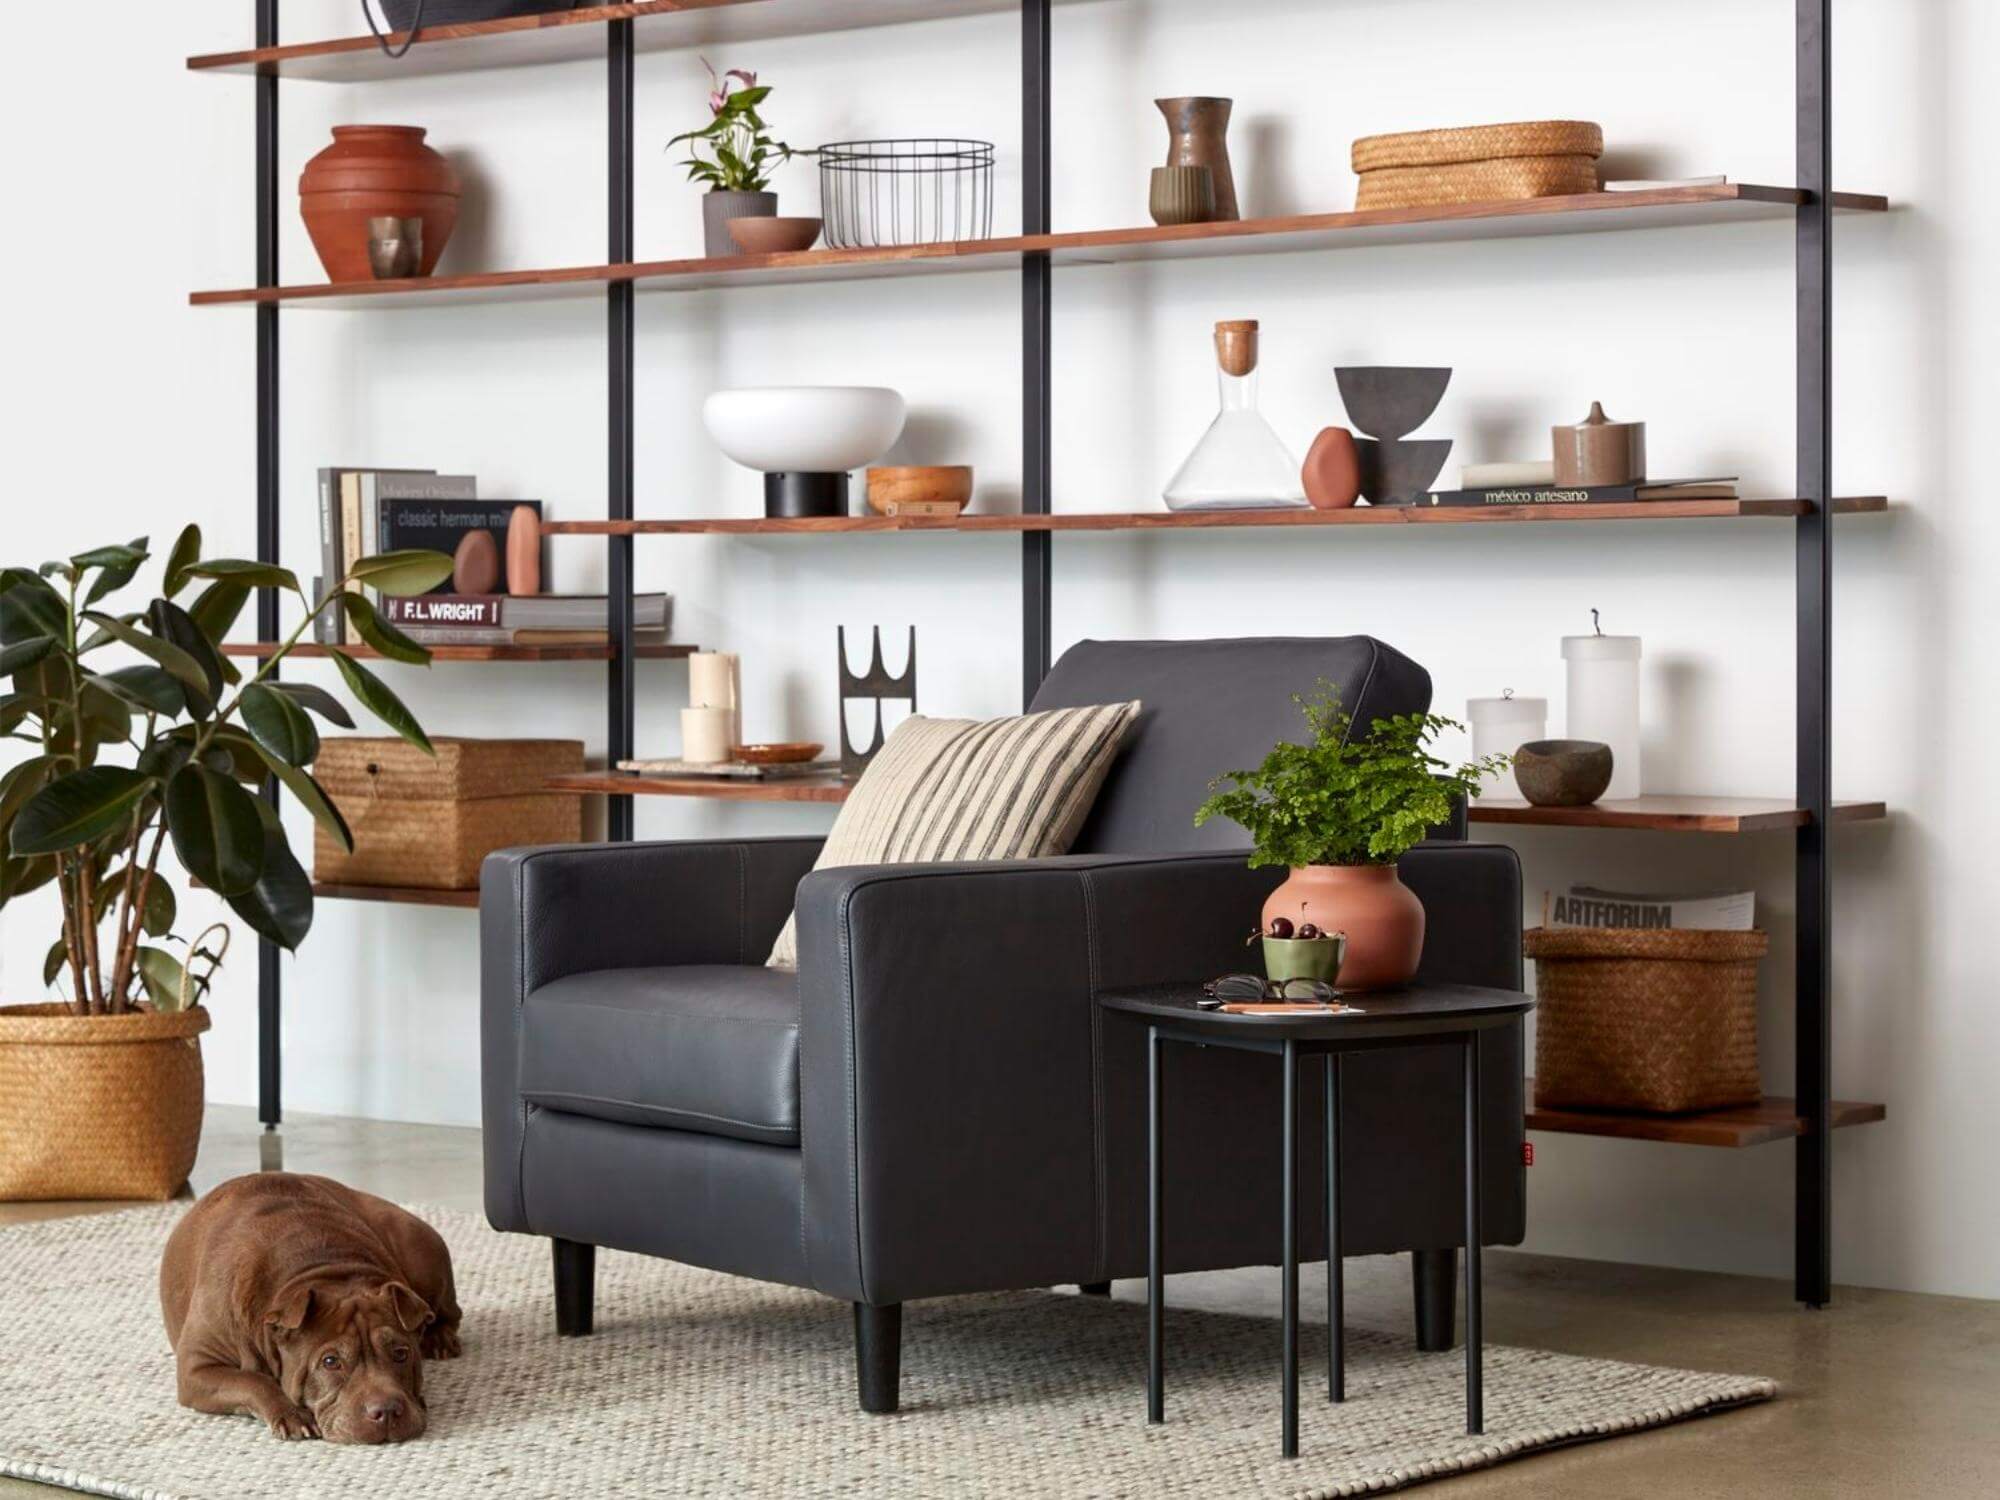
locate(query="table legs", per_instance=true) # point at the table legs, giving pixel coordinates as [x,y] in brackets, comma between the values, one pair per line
[1336,1290]
[1156,1397]
[1290,1438]
[1475,1393]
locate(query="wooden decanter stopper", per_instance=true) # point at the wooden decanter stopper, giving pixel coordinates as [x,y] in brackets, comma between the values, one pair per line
[1236,346]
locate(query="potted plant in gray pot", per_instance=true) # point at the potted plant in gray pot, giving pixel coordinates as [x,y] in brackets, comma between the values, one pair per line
[141,746]
[734,155]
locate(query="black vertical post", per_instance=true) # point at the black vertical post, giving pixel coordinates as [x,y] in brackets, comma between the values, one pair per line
[1037,461]
[269,1023]
[1813,1229]
[622,335]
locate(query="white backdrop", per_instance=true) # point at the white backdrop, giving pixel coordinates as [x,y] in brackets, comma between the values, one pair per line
[128,412]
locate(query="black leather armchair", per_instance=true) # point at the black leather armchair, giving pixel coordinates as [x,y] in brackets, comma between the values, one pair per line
[932,1104]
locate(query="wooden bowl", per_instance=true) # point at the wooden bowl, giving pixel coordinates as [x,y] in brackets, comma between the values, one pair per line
[770,235]
[788,754]
[949,484]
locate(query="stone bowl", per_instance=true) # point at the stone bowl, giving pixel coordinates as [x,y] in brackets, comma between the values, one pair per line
[1400,473]
[1562,773]
[1390,401]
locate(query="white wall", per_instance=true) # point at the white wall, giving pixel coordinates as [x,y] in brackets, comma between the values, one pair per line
[128,412]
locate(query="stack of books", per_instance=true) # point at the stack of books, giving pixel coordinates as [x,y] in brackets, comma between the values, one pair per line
[1606,494]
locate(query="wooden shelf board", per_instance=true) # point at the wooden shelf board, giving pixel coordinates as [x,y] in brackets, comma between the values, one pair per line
[1770,1119]
[774,789]
[309,650]
[1195,520]
[402,895]
[578,36]
[1662,208]
[1672,814]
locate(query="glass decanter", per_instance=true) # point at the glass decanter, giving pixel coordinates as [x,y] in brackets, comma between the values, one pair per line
[1239,462]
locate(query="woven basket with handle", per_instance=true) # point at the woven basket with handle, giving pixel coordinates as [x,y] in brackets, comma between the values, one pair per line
[98,1106]
[1651,1020]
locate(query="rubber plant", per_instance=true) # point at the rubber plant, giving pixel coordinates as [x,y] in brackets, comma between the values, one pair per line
[140,732]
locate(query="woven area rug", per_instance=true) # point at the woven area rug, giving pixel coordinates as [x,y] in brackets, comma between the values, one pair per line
[698,1384]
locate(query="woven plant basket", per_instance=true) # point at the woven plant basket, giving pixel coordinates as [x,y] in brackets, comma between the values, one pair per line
[1650,1020]
[1503,179]
[1443,148]
[428,824]
[98,1106]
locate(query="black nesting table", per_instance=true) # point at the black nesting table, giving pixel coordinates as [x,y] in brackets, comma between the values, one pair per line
[1420,1015]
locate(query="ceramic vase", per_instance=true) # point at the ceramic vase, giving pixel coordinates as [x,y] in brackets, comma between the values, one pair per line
[718,207]
[1197,136]
[1182,195]
[1382,917]
[372,172]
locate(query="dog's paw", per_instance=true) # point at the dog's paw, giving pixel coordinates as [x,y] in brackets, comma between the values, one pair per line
[441,1343]
[293,1424]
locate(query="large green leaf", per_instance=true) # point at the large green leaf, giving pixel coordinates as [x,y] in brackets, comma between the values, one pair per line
[412,571]
[25,653]
[318,699]
[216,608]
[77,808]
[164,977]
[22,782]
[20,876]
[106,719]
[30,609]
[186,552]
[162,653]
[280,905]
[312,797]
[144,687]
[55,961]
[119,564]
[379,633]
[279,725]
[215,828]
[177,627]
[158,916]
[254,575]
[379,701]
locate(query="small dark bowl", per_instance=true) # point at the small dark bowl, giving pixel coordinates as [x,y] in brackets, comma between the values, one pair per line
[1562,773]
[1400,473]
[1391,401]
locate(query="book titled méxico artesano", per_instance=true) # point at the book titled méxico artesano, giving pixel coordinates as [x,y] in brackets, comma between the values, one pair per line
[1588,906]
[1608,494]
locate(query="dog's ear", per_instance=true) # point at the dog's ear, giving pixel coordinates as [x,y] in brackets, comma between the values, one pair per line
[290,1312]
[411,1310]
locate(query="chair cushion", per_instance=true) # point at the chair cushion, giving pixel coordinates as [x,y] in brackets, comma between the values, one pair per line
[967,789]
[705,1047]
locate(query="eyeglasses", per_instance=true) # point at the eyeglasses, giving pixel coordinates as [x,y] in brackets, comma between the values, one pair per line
[1256,987]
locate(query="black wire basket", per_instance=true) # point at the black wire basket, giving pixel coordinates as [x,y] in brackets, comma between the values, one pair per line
[907,192]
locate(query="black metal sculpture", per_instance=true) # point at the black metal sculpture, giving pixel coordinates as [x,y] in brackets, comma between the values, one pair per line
[875,683]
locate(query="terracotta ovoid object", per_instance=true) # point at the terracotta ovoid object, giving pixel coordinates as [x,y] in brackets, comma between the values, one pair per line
[370,172]
[475,567]
[1198,136]
[1382,917]
[1332,470]
[524,551]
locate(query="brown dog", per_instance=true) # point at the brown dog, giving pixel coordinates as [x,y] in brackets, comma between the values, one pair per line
[310,1305]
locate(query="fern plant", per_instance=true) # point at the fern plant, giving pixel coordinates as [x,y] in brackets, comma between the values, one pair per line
[1342,798]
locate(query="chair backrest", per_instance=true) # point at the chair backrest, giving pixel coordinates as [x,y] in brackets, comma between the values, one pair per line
[1210,707]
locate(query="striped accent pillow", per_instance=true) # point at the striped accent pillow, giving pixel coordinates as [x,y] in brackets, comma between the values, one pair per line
[957,789]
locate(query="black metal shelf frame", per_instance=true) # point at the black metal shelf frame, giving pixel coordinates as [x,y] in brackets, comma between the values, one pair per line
[1814,533]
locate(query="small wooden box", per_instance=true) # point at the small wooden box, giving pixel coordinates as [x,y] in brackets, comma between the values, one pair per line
[426,823]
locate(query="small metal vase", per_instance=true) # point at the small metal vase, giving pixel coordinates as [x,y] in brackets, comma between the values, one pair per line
[395,247]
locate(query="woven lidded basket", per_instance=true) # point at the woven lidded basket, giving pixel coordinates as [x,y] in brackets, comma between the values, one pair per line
[98,1106]
[428,823]
[1654,1020]
[1443,148]
[1498,180]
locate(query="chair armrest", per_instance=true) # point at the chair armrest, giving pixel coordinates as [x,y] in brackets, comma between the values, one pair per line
[949,1055]
[1472,912]
[567,909]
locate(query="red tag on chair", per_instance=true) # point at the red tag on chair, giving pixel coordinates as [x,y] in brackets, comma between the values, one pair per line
[1527,1153]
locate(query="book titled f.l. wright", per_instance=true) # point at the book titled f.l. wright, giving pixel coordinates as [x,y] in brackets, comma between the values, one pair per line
[521,611]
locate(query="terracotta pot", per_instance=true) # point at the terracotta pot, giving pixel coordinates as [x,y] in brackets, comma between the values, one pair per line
[1382,917]
[376,171]
[98,1106]
[1197,136]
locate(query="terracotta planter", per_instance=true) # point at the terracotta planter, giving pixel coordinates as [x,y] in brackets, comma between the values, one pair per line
[98,1106]
[376,171]
[719,207]
[1382,917]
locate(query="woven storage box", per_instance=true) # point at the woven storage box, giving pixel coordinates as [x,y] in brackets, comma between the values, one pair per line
[1477,164]
[98,1106]
[1651,1020]
[427,824]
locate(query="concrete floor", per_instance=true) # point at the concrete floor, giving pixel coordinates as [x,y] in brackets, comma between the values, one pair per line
[1884,1393]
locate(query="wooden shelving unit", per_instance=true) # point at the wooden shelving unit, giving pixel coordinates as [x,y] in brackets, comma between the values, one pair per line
[307,651]
[722,788]
[396,894]
[617,34]
[1668,208]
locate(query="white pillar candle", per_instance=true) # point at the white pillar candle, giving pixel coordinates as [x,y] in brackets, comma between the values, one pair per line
[1603,702]
[715,680]
[705,735]
[1502,725]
